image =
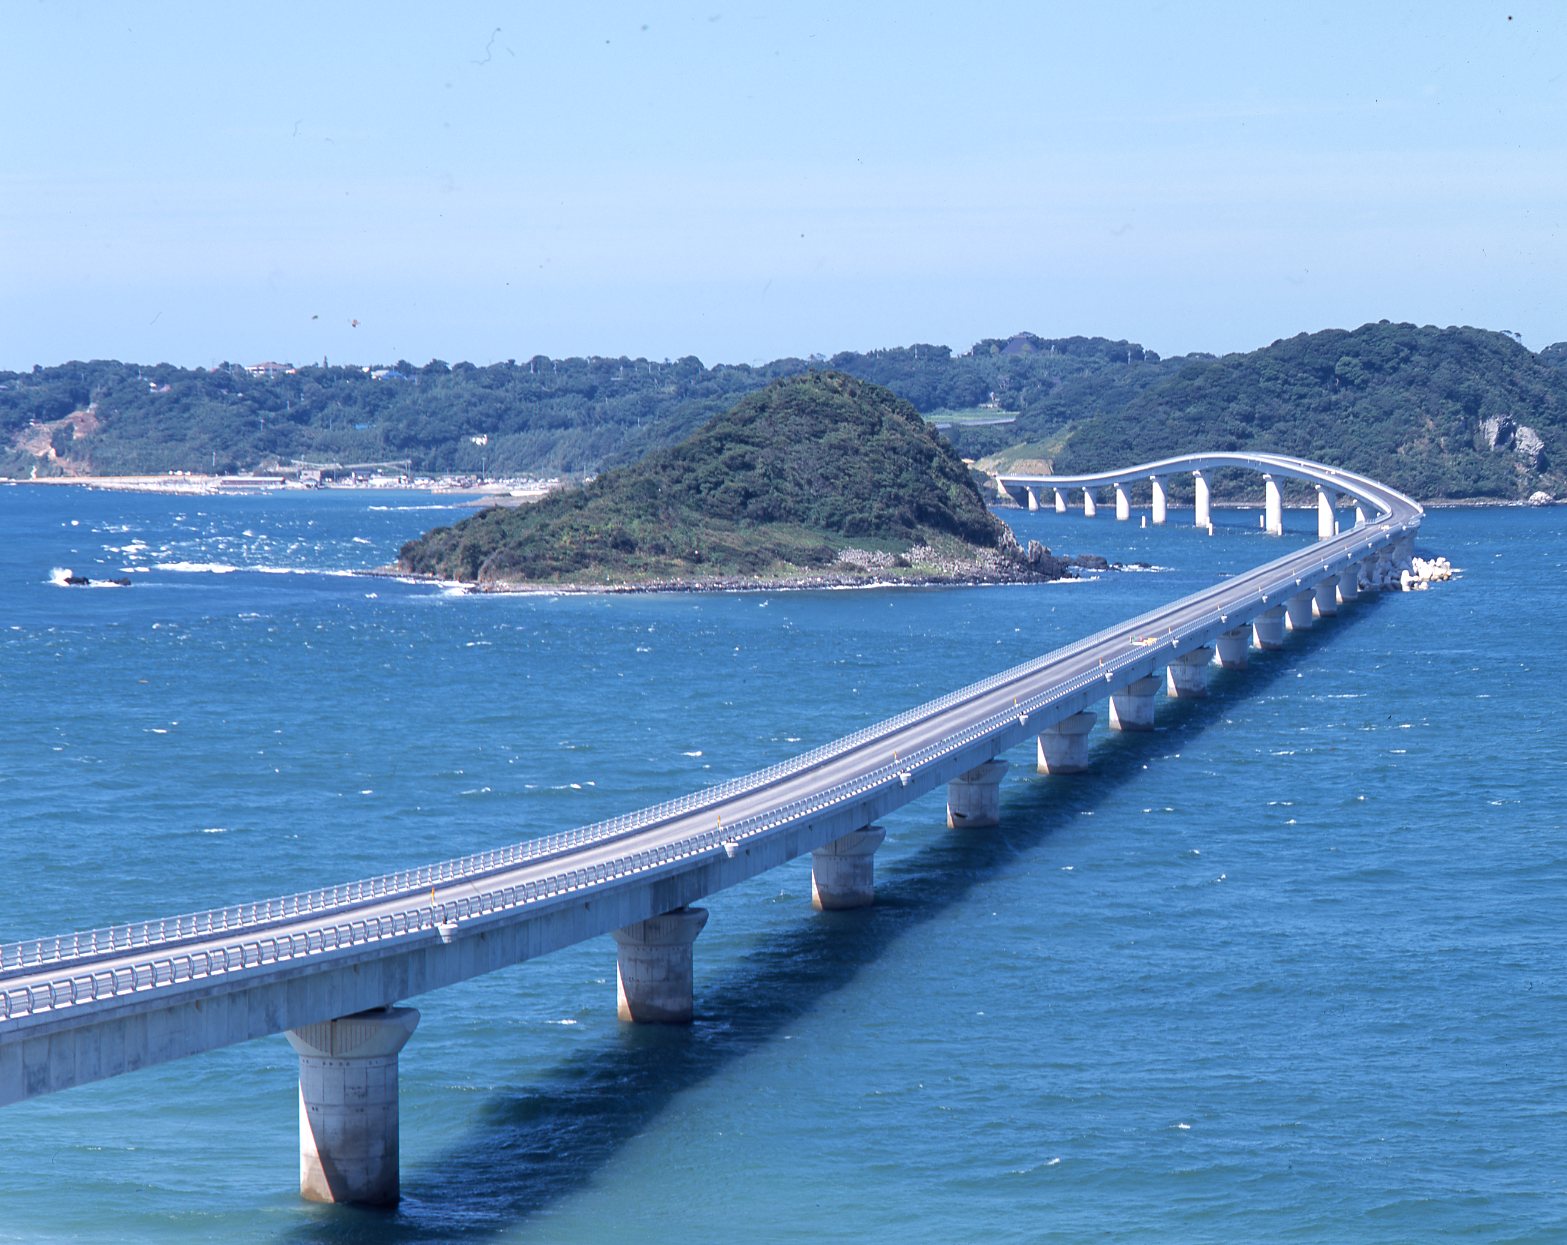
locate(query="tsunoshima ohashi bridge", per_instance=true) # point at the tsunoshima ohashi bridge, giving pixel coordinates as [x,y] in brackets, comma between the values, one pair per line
[330,968]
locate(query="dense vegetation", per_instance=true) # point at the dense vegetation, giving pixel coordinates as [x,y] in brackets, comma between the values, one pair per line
[782,482]
[1440,412]
[1435,412]
[541,416]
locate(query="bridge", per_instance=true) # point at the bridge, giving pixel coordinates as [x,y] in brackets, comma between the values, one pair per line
[329,967]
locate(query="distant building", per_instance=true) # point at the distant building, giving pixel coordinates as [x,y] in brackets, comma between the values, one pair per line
[270,371]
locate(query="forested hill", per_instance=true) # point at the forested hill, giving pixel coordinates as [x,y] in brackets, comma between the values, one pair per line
[541,415]
[1457,412]
[780,484]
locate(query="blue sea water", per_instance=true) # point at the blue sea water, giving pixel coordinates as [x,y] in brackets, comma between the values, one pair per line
[1289,968]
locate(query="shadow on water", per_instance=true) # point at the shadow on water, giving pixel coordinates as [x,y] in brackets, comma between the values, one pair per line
[535,1148]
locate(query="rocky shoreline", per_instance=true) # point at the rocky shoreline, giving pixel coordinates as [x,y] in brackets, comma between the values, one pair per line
[921,567]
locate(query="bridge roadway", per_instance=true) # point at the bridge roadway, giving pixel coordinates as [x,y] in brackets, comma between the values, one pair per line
[85,1006]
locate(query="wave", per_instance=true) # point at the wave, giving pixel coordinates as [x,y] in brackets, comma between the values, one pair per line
[227,568]
[400,509]
[197,568]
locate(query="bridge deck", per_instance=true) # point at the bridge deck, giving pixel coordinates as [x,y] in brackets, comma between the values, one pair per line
[81,1007]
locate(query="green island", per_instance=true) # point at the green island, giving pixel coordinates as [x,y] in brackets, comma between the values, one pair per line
[818,480]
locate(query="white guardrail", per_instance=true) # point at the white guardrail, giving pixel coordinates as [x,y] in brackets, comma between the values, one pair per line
[261,949]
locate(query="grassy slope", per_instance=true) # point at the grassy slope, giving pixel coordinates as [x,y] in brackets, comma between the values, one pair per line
[777,485]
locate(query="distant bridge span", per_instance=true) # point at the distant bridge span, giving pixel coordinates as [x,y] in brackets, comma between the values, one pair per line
[328,967]
[1367,494]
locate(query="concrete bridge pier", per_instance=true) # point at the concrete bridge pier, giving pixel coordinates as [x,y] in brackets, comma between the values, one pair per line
[1267,629]
[843,874]
[1297,610]
[1360,515]
[1233,649]
[1325,597]
[1325,520]
[653,972]
[1131,707]
[1089,509]
[974,797]
[1123,503]
[1063,748]
[348,1129]
[1273,507]
[1188,675]
[1033,498]
[1204,504]
[1161,503]
[1349,584]
[1060,502]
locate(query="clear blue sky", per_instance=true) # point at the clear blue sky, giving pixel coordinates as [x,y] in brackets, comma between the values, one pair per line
[199,182]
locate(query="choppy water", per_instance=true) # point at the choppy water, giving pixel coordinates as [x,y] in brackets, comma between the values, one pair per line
[1289,968]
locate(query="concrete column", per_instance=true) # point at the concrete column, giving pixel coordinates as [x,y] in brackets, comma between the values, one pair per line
[1033,499]
[1161,505]
[1325,597]
[1089,509]
[1131,708]
[1063,748]
[1349,584]
[1060,502]
[653,977]
[1273,507]
[1297,610]
[1187,676]
[1234,649]
[1204,506]
[1360,515]
[348,1148]
[1325,521]
[1123,504]
[1267,629]
[974,798]
[843,874]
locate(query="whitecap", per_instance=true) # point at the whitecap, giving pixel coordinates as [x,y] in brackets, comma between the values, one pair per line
[696,753]
[195,568]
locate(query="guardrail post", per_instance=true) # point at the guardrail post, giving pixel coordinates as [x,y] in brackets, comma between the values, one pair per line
[348,1126]
[843,874]
[654,974]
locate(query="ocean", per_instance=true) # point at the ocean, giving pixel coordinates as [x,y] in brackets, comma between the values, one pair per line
[1289,968]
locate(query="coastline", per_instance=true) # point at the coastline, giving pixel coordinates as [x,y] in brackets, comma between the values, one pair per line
[206,485]
[739,583]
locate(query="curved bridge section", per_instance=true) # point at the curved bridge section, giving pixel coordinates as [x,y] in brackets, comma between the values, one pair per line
[327,967]
[1367,496]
